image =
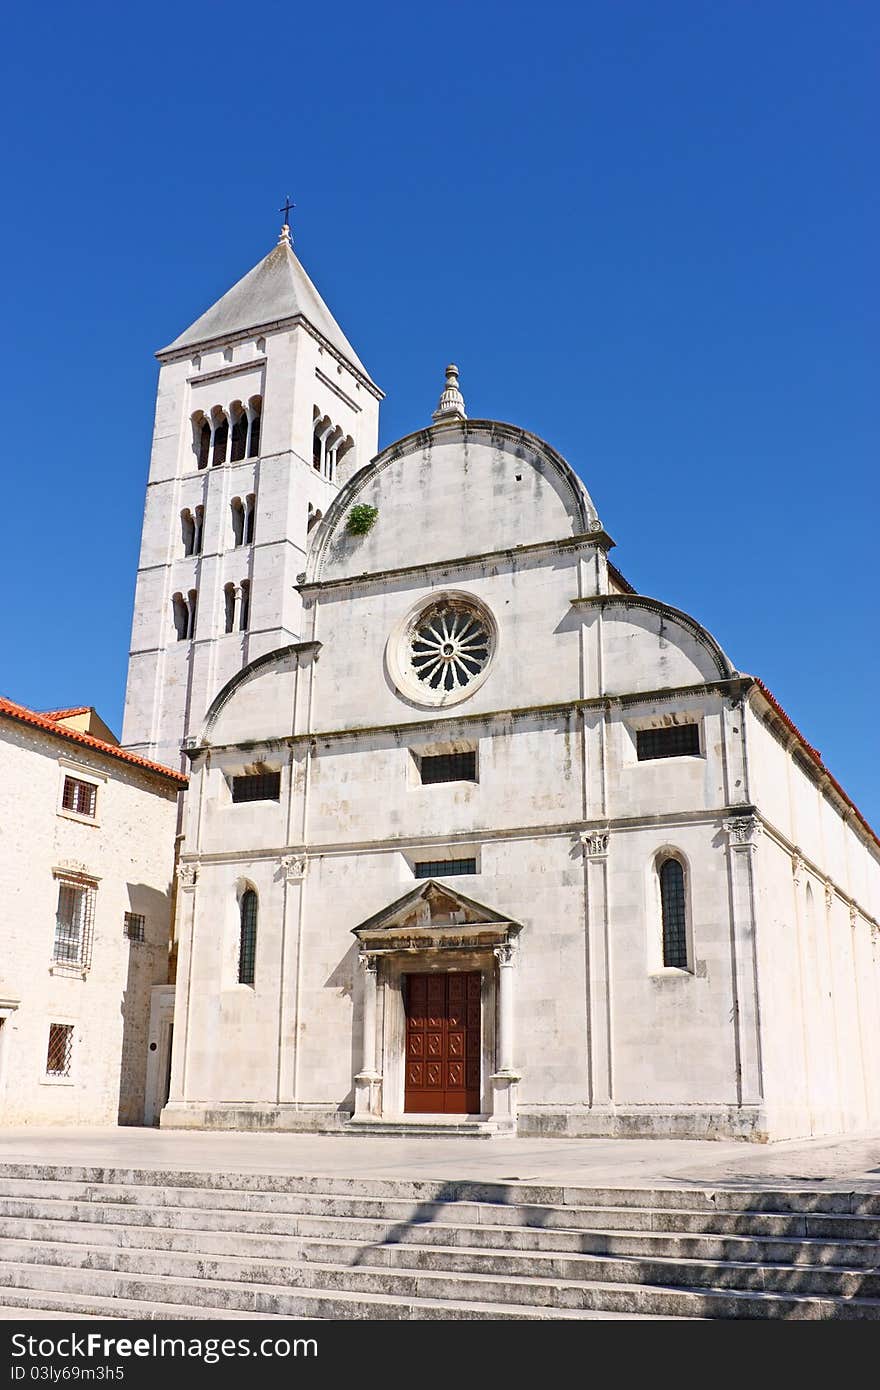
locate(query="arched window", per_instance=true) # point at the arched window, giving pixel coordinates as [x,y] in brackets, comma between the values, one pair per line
[316,450]
[673,908]
[314,516]
[245,613]
[229,607]
[181,616]
[239,437]
[203,442]
[237,520]
[247,943]
[221,441]
[253,448]
[198,528]
[249,518]
[192,600]
[188,531]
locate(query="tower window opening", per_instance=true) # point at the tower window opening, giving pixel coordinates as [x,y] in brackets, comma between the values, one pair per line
[221,441]
[245,612]
[239,437]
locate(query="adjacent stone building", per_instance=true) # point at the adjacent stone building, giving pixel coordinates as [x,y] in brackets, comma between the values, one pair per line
[87,858]
[476,836]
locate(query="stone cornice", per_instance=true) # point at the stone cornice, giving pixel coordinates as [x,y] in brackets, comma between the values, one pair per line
[315,587]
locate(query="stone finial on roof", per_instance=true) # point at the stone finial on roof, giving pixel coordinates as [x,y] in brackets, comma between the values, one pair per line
[451,403]
[284,237]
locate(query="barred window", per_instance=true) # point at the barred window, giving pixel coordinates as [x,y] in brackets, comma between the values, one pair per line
[80,797]
[672,742]
[135,926]
[73,924]
[673,910]
[60,1051]
[247,946]
[445,868]
[258,786]
[448,767]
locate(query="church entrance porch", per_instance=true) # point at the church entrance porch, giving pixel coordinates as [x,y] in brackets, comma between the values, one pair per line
[442,1072]
[437,1015]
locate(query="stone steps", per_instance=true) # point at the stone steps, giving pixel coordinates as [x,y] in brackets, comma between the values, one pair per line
[138,1243]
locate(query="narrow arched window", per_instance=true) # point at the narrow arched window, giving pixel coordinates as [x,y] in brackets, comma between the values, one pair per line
[316,449]
[249,517]
[244,615]
[674,913]
[239,438]
[254,435]
[188,531]
[247,944]
[192,601]
[237,521]
[198,528]
[181,617]
[221,440]
[229,607]
[204,439]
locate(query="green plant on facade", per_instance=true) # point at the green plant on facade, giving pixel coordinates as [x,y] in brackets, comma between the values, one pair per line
[361,519]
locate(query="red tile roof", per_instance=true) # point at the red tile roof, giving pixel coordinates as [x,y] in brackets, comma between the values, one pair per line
[64,713]
[815,755]
[47,722]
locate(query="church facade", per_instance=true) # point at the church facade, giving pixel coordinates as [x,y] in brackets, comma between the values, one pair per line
[476,837]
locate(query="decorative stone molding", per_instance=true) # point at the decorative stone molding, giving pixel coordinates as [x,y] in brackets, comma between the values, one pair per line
[743,831]
[187,876]
[293,866]
[797,868]
[595,843]
[853,915]
[369,961]
[829,895]
[504,954]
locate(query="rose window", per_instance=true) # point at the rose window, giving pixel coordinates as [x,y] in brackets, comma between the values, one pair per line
[449,646]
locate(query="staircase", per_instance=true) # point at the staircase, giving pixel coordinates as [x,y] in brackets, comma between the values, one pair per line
[126,1243]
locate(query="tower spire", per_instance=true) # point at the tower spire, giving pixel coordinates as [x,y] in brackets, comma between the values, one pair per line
[451,403]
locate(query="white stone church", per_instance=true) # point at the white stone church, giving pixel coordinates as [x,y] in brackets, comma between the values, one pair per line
[476,837]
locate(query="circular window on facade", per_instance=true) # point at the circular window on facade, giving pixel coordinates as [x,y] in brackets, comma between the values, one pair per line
[442,651]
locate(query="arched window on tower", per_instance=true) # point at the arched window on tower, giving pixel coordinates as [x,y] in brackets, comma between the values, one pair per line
[343,448]
[237,509]
[247,939]
[249,518]
[239,435]
[673,911]
[255,411]
[201,439]
[188,531]
[198,529]
[245,611]
[229,608]
[191,602]
[181,616]
[221,439]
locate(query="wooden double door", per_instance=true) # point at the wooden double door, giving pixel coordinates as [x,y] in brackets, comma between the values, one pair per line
[442,1043]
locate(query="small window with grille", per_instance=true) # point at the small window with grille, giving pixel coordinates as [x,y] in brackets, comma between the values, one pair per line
[448,767]
[74,919]
[59,1055]
[135,926]
[259,786]
[79,797]
[444,868]
[674,741]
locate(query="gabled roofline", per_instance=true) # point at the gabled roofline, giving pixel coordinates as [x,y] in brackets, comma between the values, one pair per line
[421,889]
[22,715]
[723,664]
[192,746]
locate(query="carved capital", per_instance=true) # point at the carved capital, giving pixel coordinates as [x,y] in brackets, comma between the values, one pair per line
[187,876]
[744,832]
[595,843]
[293,866]
[504,954]
[369,961]
[853,915]
[829,894]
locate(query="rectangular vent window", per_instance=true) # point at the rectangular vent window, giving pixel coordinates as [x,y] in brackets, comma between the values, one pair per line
[445,868]
[262,786]
[672,742]
[449,767]
[135,926]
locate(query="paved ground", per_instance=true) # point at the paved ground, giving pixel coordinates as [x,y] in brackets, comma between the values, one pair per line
[832,1163]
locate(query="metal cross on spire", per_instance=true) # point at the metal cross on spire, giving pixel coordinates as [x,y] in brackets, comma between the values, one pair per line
[288,205]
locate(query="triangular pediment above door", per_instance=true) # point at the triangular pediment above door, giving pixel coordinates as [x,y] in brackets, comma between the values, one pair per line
[435,914]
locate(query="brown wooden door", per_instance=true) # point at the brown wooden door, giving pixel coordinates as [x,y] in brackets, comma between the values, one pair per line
[442,1043]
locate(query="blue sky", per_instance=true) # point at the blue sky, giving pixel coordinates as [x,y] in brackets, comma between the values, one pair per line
[646,231]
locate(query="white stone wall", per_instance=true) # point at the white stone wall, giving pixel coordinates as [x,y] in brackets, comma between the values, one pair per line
[129,851]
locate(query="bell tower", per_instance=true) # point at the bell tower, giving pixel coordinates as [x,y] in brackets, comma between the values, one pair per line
[263,409]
